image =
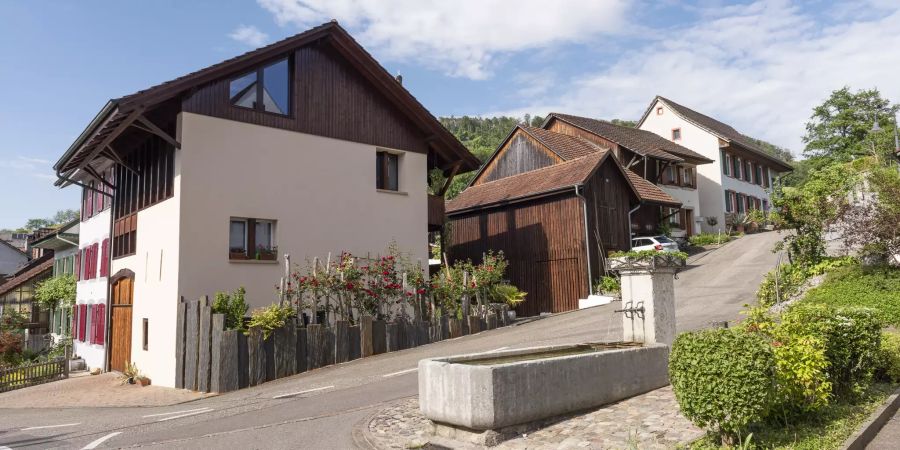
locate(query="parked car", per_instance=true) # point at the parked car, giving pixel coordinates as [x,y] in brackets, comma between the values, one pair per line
[658,243]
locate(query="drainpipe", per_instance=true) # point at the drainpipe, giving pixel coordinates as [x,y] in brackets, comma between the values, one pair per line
[587,242]
[630,212]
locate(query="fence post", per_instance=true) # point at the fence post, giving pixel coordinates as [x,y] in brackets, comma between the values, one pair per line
[392,337]
[365,335]
[313,346]
[354,339]
[192,345]
[341,341]
[256,357]
[179,343]
[215,375]
[328,346]
[243,360]
[285,350]
[205,344]
[301,349]
[379,337]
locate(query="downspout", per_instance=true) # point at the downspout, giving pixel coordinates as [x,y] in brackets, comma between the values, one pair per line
[108,307]
[630,212]
[587,242]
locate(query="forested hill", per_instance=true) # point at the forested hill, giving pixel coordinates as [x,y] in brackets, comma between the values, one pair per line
[482,135]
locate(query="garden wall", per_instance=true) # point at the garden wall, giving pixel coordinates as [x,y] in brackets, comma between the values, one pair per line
[209,358]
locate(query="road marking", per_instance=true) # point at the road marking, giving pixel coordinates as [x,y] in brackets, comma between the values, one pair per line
[51,426]
[303,392]
[202,411]
[174,412]
[101,440]
[400,372]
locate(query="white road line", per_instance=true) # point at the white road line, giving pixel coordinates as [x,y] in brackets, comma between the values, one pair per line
[101,440]
[303,392]
[400,372]
[203,411]
[174,412]
[52,426]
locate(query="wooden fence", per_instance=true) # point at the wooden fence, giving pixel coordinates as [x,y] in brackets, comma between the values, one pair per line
[210,358]
[24,376]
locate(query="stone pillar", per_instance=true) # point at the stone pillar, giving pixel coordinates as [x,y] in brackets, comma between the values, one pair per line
[650,286]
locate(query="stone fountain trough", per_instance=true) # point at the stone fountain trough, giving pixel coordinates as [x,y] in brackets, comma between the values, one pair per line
[492,391]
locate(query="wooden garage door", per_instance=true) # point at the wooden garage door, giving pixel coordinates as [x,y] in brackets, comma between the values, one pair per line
[120,324]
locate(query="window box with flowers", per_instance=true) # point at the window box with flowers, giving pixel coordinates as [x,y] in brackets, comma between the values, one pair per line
[252,240]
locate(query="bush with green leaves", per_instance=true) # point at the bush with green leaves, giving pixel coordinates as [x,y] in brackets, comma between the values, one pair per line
[877,288]
[56,292]
[508,294]
[889,357]
[852,338]
[786,280]
[702,239]
[233,306]
[723,379]
[608,284]
[270,318]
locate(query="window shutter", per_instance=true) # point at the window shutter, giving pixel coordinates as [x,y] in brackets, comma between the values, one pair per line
[78,266]
[104,259]
[75,322]
[92,311]
[82,321]
[102,334]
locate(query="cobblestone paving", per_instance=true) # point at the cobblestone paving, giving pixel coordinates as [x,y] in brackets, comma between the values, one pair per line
[649,421]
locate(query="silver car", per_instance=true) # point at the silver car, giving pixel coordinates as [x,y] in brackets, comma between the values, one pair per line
[658,243]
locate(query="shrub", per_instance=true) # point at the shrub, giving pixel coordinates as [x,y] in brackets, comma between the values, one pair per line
[852,338]
[723,379]
[876,288]
[790,278]
[271,317]
[55,292]
[709,239]
[233,306]
[801,372]
[609,284]
[889,357]
[507,293]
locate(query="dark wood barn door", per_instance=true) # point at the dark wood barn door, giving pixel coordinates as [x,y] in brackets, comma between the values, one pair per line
[120,324]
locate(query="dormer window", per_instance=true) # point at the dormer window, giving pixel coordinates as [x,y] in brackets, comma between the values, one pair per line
[265,89]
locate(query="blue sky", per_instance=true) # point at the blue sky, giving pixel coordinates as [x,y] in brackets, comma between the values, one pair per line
[758,65]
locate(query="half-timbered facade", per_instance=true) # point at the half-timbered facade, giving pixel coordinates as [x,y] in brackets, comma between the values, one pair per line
[556,205]
[306,146]
[741,175]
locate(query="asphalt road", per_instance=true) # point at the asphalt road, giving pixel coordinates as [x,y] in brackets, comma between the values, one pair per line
[319,409]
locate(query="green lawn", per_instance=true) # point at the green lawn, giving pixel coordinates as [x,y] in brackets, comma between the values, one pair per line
[826,430]
[877,288]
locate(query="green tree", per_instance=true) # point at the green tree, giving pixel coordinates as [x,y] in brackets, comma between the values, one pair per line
[55,292]
[624,123]
[61,217]
[840,128]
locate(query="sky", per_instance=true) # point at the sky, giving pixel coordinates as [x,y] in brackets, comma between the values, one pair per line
[760,66]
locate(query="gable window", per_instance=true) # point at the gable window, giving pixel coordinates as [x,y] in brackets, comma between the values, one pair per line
[265,89]
[659,111]
[251,239]
[387,171]
[676,134]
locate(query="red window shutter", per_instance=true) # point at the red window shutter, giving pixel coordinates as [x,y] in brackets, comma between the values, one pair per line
[75,322]
[87,262]
[94,256]
[82,319]
[78,265]
[104,259]
[92,311]
[101,330]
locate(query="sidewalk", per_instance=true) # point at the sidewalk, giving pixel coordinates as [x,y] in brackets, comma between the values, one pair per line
[84,390]
[888,438]
[648,421]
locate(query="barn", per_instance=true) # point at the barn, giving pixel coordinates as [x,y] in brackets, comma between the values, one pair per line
[556,205]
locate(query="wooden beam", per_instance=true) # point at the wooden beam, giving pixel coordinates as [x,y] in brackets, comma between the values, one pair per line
[453,172]
[132,116]
[151,127]
[93,172]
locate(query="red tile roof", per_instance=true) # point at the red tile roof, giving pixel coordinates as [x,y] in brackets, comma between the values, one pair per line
[566,146]
[528,184]
[650,192]
[35,269]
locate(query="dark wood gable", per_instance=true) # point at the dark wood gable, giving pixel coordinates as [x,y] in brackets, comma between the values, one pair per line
[329,98]
[520,153]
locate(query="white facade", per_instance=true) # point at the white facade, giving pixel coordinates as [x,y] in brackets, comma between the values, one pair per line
[93,291]
[711,180]
[320,192]
[10,259]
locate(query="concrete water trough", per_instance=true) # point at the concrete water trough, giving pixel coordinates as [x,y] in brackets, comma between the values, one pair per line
[492,391]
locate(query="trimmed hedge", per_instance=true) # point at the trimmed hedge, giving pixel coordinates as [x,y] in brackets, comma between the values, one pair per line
[876,288]
[723,378]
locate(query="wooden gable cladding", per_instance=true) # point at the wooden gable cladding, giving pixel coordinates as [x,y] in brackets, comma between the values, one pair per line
[521,153]
[609,198]
[328,98]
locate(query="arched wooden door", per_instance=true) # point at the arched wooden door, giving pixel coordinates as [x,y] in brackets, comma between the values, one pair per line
[120,324]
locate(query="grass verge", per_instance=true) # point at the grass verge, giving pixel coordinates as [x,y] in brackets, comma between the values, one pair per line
[876,288]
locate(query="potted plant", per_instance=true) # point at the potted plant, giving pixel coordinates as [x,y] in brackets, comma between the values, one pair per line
[130,373]
[237,253]
[609,286]
[143,380]
[266,254]
[741,220]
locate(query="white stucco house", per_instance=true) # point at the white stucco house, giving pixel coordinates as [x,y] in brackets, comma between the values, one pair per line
[200,184]
[741,175]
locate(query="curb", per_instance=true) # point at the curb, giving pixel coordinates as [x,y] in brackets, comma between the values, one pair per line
[861,438]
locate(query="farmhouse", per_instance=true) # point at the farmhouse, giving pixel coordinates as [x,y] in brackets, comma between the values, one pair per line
[557,205]
[200,184]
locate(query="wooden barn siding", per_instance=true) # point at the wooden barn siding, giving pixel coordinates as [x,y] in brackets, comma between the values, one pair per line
[522,153]
[646,215]
[328,98]
[544,242]
[609,199]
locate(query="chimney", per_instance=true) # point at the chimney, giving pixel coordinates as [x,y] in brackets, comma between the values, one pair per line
[400,79]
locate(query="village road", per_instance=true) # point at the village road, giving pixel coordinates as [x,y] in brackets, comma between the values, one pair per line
[320,409]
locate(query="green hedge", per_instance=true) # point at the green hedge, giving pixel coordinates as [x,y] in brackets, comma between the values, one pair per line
[723,379]
[876,288]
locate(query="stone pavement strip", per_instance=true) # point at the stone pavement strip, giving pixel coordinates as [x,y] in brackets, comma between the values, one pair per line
[648,421]
[104,390]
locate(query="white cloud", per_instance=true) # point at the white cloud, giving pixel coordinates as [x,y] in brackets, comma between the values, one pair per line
[464,37]
[760,67]
[250,35]
[35,167]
